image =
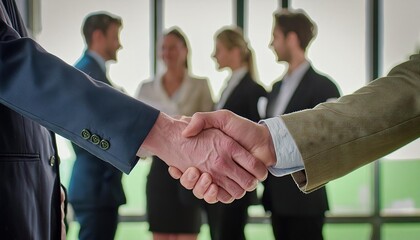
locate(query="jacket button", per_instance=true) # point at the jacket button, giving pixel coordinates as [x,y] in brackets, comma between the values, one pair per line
[85,134]
[95,139]
[104,145]
[52,161]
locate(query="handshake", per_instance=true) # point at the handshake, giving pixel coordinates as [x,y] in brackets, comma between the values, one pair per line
[219,155]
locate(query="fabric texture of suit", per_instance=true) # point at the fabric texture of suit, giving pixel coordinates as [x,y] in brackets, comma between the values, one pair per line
[95,185]
[227,221]
[281,196]
[337,138]
[38,91]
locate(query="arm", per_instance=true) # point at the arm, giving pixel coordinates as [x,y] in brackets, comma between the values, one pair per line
[335,138]
[43,88]
[210,151]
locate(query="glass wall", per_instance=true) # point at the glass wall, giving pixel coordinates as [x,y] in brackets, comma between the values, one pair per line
[400,194]
[259,30]
[339,50]
[61,35]
[401,38]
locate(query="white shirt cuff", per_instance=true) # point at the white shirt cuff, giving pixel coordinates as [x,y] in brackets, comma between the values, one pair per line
[289,159]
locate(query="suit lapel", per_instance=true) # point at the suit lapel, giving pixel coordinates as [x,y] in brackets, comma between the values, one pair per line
[300,93]
[235,94]
[272,97]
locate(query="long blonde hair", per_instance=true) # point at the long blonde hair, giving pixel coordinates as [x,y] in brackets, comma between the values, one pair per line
[233,37]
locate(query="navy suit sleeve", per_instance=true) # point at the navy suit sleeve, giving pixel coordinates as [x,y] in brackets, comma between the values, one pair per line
[42,87]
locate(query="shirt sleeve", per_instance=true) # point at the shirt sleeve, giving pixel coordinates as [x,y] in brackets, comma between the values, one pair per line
[289,159]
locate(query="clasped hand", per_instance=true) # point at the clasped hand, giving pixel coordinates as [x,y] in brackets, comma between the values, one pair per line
[253,137]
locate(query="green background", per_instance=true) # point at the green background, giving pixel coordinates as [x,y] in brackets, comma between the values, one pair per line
[350,194]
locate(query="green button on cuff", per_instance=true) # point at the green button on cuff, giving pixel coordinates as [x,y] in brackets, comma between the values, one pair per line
[95,139]
[104,145]
[85,134]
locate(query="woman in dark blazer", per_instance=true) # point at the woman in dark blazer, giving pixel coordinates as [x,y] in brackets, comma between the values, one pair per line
[241,96]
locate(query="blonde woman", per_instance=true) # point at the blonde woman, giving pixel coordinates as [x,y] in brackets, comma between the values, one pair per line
[241,96]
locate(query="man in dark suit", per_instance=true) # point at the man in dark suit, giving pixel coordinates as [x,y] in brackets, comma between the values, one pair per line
[294,214]
[40,93]
[95,189]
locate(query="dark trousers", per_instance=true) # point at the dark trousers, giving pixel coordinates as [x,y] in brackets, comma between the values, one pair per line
[227,221]
[297,228]
[98,223]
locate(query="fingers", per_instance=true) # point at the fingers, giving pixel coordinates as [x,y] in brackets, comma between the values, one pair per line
[210,192]
[231,186]
[252,165]
[196,124]
[223,196]
[190,178]
[210,195]
[243,131]
[202,185]
[174,172]
[204,120]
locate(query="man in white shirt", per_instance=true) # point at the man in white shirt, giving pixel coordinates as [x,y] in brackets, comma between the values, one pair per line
[301,88]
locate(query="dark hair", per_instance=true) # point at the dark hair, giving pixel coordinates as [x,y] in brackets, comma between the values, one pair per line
[233,37]
[177,32]
[98,21]
[297,22]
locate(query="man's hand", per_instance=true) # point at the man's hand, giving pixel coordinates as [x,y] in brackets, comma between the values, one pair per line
[254,137]
[232,168]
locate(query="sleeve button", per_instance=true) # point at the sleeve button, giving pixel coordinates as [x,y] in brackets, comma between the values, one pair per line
[95,139]
[85,134]
[104,145]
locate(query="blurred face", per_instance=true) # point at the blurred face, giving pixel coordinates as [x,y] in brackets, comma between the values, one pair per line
[112,42]
[279,44]
[222,55]
[173,52]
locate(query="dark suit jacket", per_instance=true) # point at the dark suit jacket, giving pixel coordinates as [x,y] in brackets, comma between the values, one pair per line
[281,196]
[94,183]
[244,98]
[38,91]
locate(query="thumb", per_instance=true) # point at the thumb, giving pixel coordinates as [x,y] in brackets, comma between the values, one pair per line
[197,123]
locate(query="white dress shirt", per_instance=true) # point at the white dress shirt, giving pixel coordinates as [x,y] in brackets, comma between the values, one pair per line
[289,159]
[288,87]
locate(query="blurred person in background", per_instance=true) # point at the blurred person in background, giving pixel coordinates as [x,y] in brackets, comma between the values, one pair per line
[241,95]
[173,212]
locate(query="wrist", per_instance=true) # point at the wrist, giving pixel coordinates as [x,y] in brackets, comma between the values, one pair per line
[268,144]
[162,136]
